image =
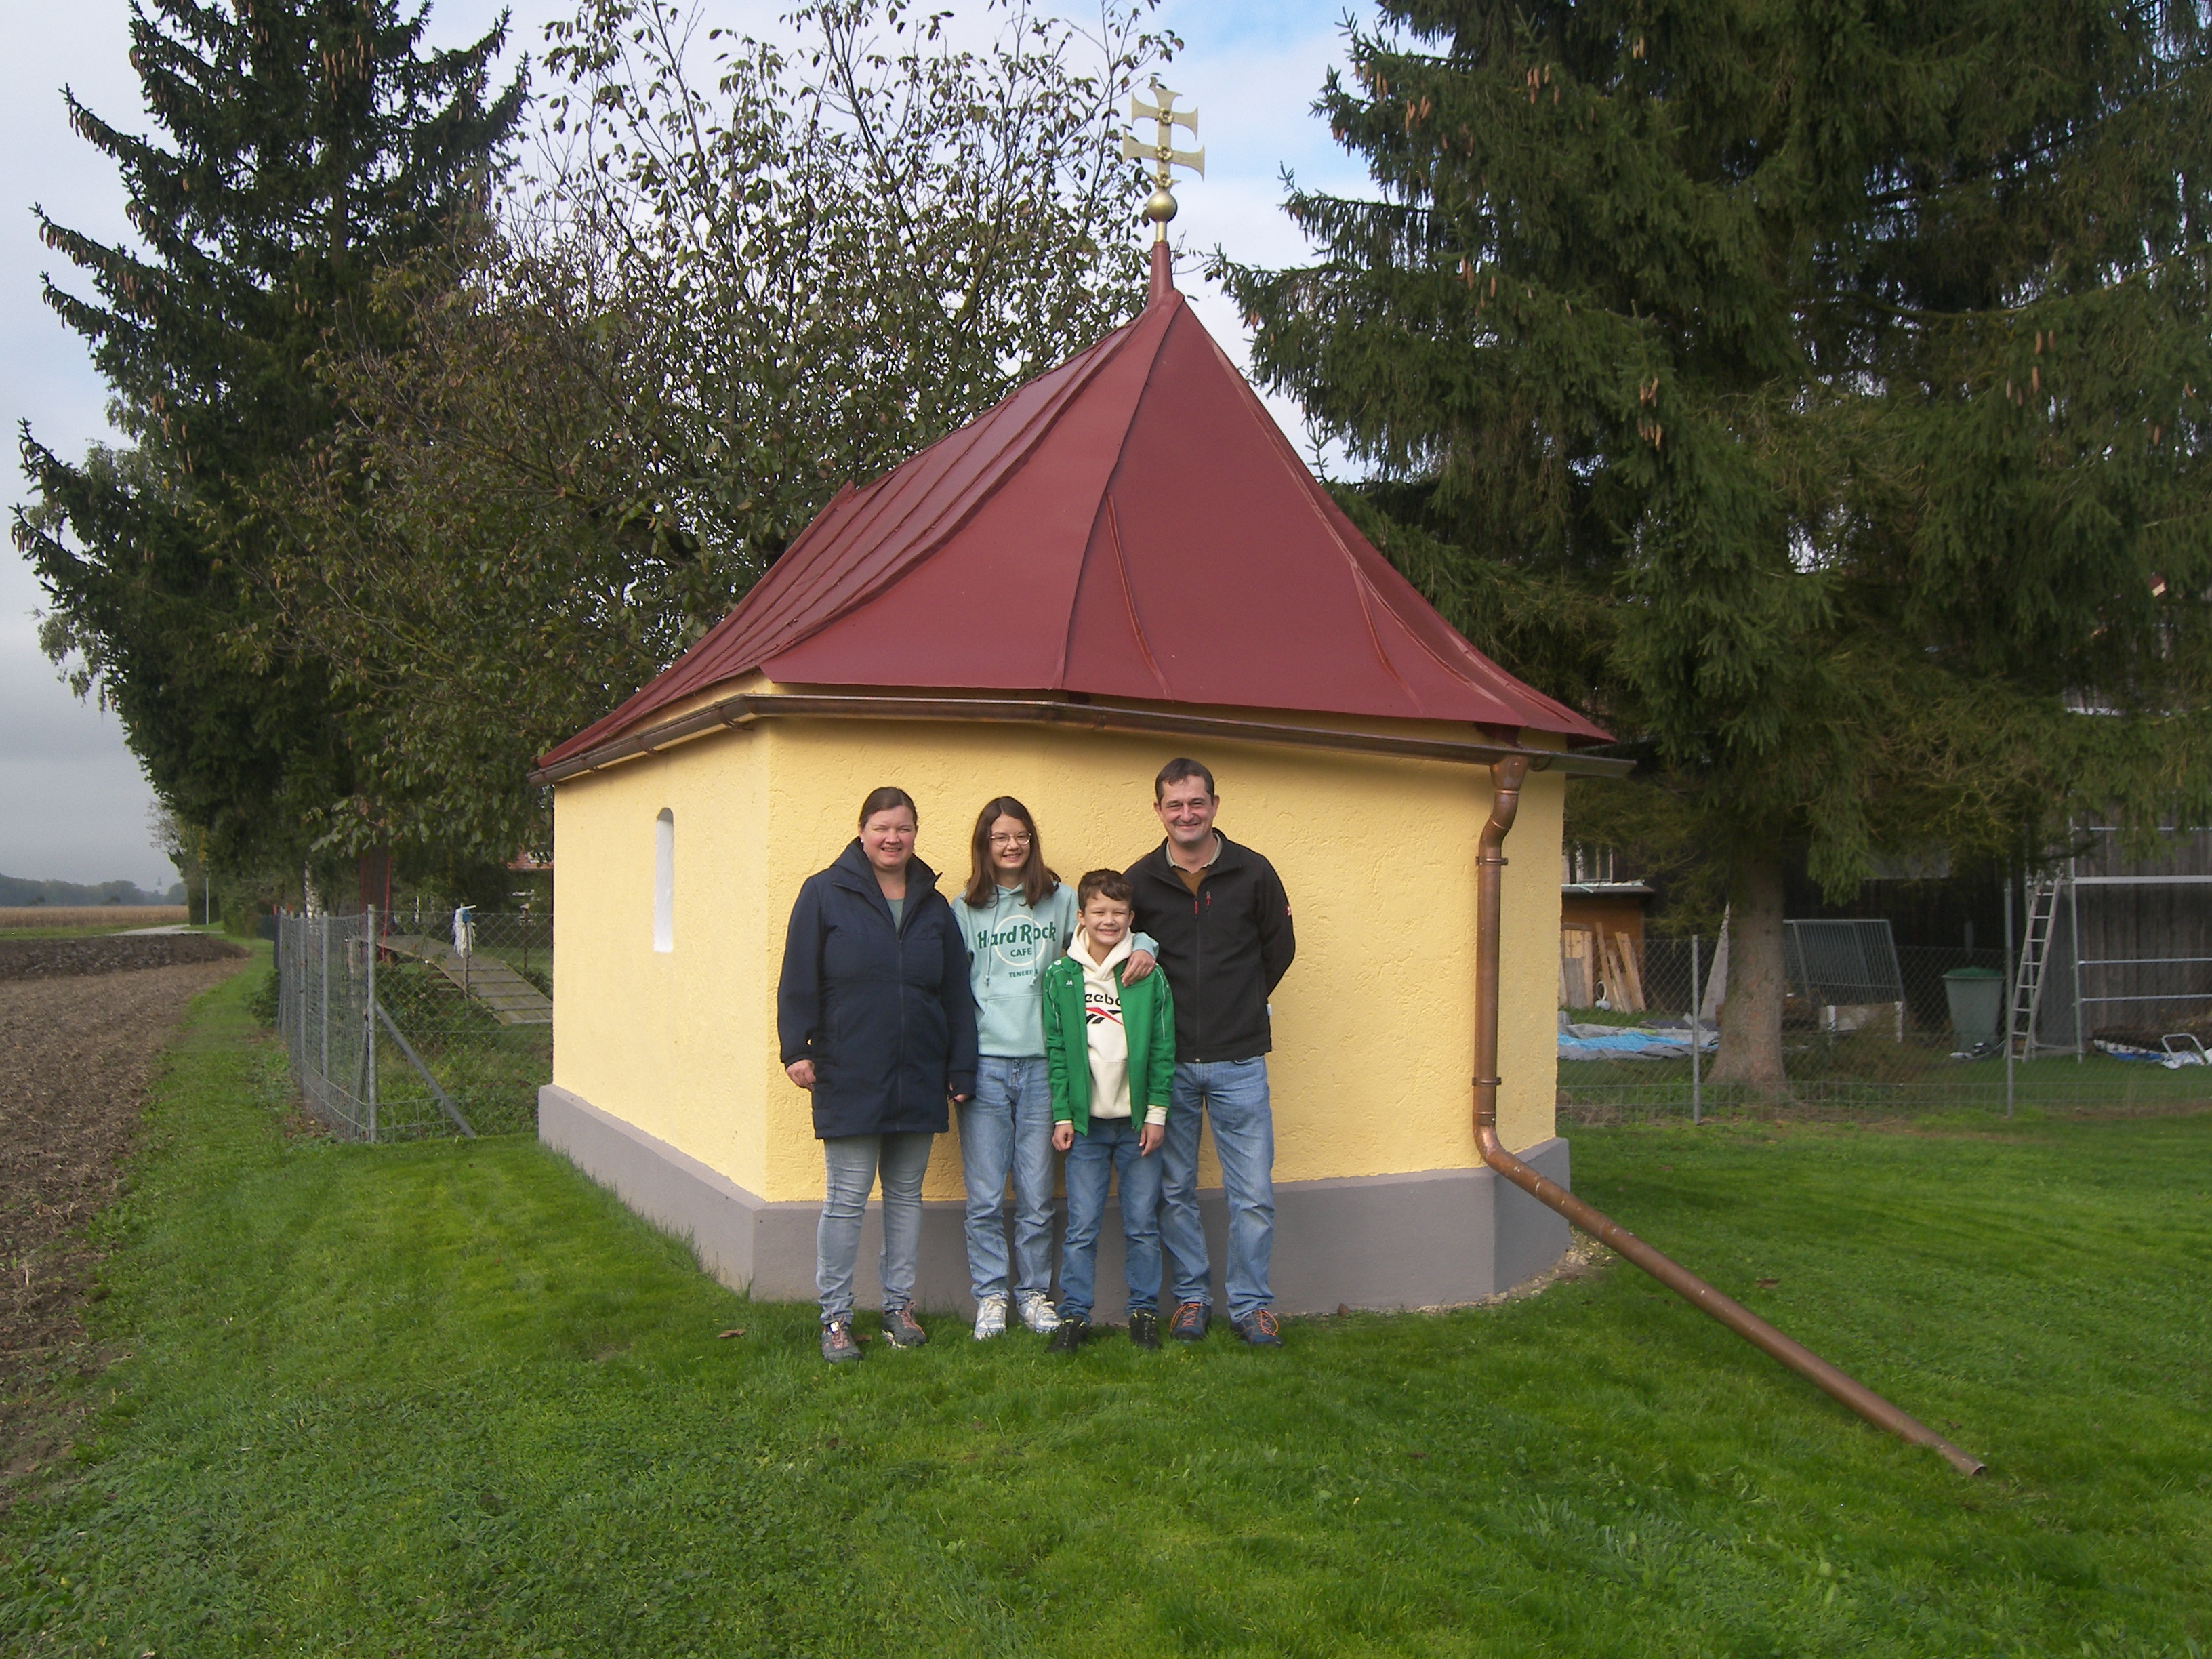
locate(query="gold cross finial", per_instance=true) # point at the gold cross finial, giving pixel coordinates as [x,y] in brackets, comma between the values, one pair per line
[1160,205]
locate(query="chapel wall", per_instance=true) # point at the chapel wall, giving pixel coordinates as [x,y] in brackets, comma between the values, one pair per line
[672,1042]
[1373,1026]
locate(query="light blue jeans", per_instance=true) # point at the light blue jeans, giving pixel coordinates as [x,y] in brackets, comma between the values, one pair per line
[1234,1094]
[1006,1128]
[1111,1149]
[852,1163]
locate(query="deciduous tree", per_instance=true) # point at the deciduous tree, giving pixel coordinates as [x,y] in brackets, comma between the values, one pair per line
[613,409]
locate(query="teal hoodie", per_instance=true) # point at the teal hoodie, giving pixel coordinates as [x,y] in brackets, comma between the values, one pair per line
[1009,944]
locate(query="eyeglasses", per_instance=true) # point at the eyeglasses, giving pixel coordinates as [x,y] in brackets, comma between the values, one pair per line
[1010,840]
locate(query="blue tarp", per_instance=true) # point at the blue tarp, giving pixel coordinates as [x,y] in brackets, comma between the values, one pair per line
[1583,1042]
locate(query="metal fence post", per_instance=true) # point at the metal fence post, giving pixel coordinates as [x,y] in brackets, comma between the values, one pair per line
[2012,1000]
[1697,1064]
[368,1026]
[323,933]
[2074,901]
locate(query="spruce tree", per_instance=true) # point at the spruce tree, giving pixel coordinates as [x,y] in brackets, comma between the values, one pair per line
[300,146]
[1816,393]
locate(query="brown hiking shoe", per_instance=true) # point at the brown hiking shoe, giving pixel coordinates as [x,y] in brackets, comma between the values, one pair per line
[838,1346]
[1190,1320]
[902,1329]
[1259,1329]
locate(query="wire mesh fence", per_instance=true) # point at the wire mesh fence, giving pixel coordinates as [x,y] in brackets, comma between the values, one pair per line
[406,1024]
[1868,1028]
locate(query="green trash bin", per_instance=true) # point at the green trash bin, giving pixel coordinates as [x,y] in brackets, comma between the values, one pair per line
[1977,1000]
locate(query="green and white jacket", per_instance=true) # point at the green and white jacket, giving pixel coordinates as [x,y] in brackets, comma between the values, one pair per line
[1147,1020]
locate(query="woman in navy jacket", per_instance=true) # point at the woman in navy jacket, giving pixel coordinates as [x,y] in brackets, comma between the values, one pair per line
[877,1021]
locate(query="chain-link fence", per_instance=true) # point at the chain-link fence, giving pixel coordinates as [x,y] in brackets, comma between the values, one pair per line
[1868,1028]
[405,1025]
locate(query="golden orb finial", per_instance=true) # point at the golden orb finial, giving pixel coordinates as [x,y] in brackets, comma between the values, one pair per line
[1160,205]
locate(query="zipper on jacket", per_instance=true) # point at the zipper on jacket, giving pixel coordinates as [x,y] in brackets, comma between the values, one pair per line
[898,938]
[1201,903]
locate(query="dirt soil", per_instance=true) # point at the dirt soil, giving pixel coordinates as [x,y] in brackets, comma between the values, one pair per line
[77,1053]
[110,953]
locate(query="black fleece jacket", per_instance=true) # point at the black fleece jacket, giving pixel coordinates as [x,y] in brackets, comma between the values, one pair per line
[1224,949]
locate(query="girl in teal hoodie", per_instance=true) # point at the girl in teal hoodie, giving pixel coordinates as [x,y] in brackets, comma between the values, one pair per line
[1017,918]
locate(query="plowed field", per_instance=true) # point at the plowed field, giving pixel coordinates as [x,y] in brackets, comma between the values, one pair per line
[75,1055]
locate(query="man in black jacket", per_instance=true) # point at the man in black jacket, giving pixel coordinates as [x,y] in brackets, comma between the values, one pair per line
[1223,925]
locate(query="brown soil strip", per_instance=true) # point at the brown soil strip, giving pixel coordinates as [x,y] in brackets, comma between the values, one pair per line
[110,953]
[77,1053]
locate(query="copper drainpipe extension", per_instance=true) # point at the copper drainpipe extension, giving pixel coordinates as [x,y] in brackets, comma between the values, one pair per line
[1506,777]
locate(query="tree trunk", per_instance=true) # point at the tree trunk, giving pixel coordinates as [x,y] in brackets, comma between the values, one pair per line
[1751,1023]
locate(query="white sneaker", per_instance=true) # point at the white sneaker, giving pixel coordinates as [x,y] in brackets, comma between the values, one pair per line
[990,1318]
[1038,1313]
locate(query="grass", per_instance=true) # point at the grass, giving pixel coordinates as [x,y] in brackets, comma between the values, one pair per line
[450,1399]
[491,1071]
[2043,1087]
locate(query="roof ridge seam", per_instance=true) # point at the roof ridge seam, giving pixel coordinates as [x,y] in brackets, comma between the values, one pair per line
[1128,593]
[803,590]
[1027,437]
[1309,487]
[1289,458]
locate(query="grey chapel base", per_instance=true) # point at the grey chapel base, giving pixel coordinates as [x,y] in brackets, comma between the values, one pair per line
[1400,1241]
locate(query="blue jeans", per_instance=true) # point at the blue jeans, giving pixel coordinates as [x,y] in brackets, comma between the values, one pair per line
[1006,1128]
[853,1162]
[1111,1149]
[1234,1093]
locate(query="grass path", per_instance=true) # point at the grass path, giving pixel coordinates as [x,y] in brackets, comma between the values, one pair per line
[452,1400]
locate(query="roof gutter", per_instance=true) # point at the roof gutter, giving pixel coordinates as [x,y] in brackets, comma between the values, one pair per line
[744,710]
[1489,863]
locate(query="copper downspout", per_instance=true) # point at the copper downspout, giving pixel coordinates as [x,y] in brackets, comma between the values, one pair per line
[1507,775]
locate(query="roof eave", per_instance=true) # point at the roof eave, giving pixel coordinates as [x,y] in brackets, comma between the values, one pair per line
[746,708]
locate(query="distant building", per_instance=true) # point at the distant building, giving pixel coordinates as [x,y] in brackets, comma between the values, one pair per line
[1600,914]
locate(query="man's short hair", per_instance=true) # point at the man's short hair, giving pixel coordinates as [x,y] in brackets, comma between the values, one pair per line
[1175,771]
[1106,884]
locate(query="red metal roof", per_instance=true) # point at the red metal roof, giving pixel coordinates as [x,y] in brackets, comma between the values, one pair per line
[1131,525]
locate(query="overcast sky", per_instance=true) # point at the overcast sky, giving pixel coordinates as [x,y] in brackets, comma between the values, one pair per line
[74,806]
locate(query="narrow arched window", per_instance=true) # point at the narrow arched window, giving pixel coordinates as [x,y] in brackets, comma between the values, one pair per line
[664,881]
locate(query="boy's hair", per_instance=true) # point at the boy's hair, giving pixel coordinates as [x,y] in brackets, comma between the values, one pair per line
[1106,884]
[1176,770]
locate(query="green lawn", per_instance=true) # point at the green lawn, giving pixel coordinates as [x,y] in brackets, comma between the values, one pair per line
[449,1399]
[1916,1079]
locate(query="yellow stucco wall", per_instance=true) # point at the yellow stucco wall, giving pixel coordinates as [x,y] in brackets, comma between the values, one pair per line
[1374,1032]
[670,1041]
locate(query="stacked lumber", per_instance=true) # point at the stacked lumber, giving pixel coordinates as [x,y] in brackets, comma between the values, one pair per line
[1594,963]
[1578,967]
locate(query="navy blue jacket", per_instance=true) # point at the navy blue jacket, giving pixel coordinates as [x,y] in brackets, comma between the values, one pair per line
[886,1014]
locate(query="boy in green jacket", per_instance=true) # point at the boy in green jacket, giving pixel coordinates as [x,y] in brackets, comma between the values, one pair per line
[1109,1052]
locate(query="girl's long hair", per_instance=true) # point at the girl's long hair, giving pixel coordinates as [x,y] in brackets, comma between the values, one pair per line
[1037,878]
